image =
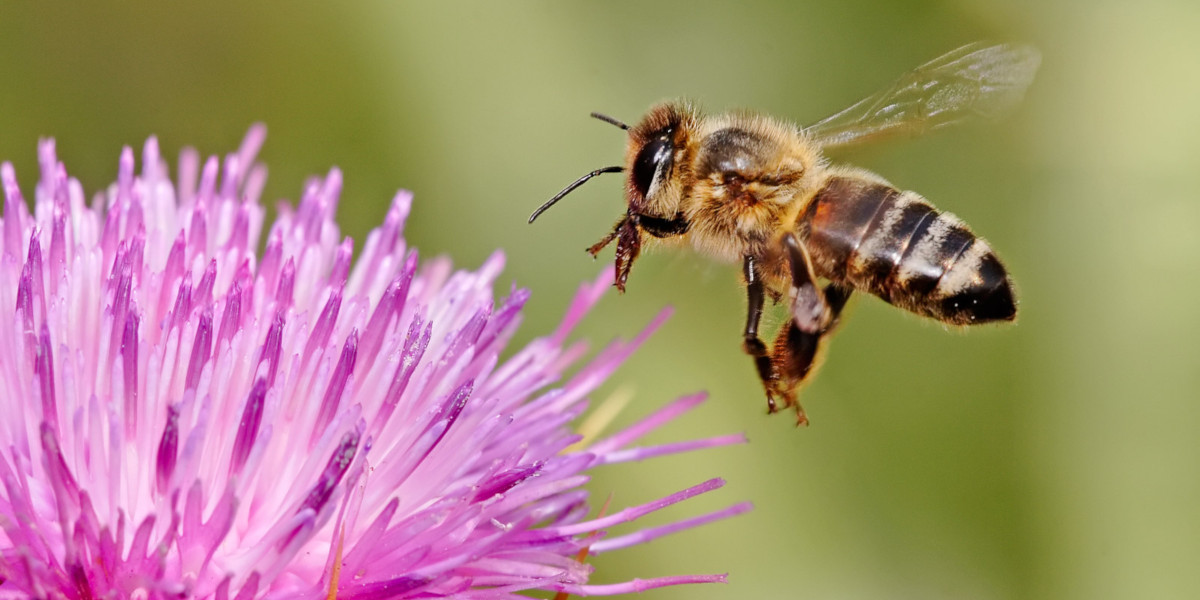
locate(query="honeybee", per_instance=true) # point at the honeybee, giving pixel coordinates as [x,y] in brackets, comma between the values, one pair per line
[747,187]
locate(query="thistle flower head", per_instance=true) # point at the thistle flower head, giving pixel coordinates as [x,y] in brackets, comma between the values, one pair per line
[186,418]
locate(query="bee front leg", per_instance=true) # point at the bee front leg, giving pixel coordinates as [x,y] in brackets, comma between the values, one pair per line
[751,343]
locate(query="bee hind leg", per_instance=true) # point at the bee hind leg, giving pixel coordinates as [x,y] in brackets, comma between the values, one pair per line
[796,353]
[810,311]
[815,313]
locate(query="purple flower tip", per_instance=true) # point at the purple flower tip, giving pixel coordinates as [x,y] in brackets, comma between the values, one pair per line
[185,418]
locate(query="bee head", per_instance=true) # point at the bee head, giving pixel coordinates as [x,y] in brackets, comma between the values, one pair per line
[652,193]
[654,157]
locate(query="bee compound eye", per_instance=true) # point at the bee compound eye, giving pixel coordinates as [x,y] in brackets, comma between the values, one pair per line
[657,153]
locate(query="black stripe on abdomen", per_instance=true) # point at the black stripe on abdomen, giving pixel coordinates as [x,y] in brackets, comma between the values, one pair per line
[897,246]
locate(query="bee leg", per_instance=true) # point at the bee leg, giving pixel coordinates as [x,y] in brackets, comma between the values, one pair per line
[814,314]
[792,357]
[627,232]
[751,343]
[810,312]
[796,352]
[836,297]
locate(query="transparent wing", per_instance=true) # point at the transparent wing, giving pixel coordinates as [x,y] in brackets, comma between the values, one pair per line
[976,80]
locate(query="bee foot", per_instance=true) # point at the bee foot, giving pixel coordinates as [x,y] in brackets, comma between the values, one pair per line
[801,418]
[772,408]
[779,399]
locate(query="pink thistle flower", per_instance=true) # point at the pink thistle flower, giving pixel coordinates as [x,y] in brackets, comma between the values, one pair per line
[184,418]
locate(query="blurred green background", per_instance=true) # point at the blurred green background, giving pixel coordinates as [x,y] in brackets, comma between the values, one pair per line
[1057,458]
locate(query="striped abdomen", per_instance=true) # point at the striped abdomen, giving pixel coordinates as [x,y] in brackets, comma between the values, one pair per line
[894,244]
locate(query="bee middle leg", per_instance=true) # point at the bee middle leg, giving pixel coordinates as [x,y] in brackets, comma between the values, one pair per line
[751,343]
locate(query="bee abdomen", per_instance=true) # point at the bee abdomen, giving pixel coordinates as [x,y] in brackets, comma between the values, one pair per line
[897,246]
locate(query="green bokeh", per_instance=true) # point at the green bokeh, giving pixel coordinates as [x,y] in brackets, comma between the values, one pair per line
[1056,459]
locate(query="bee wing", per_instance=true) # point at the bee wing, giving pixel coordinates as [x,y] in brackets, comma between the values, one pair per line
[973,81]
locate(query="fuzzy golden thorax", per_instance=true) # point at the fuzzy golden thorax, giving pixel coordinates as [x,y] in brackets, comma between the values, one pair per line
[750,175]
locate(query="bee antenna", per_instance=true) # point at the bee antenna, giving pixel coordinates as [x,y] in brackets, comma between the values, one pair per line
[610,120]
[570,188]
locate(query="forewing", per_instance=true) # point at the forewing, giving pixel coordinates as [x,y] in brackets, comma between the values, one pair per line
[973,81]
